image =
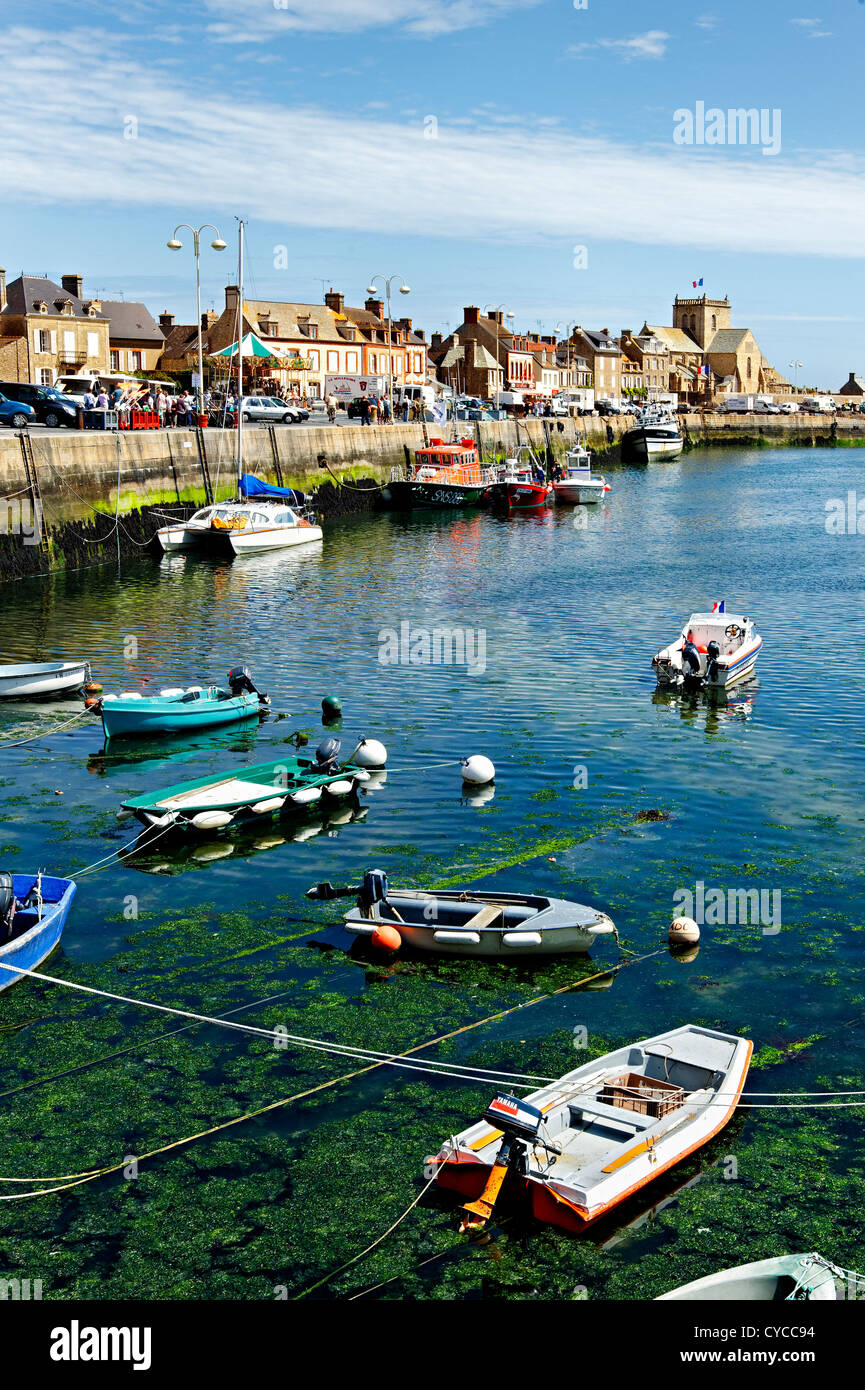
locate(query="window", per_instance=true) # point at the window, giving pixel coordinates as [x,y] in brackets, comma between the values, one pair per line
[312,330]
[115,360]
[351,361]
[714,323]
[749,369]
[313,361]
[271,330]
[42,340]
[92,344]
[333,361]
[134,357]
[45,376]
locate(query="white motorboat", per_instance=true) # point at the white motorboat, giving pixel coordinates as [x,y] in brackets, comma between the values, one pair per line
[579,485]
[467,922]
[262,517]
[715,651]
[656,434]
[32,679]
[783,1278]
[267,523]
[578,1147]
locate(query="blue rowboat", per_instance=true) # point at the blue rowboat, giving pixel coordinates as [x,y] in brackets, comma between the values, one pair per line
[33,912]
[179,711]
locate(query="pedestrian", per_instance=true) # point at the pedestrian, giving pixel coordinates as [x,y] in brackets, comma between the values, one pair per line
[373,411]
[331,408]
[406,410]
[365,411]
[89,399]
[385,411]
[102,399]
[161,405]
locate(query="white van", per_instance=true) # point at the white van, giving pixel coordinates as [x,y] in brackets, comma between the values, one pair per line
[818,405]
[426,394]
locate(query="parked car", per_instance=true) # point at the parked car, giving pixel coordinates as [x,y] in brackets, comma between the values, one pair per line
[299,410]
[16,414]
[607,408]
[50,406]
[269,408]
[789,408]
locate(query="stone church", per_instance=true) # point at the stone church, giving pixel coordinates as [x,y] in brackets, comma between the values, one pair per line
[702,336]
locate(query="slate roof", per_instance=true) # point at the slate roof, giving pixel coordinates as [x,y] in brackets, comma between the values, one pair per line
[130,320]
[676,339]
[727,340]
[22,293]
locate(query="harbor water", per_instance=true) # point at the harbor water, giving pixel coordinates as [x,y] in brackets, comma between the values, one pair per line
[445,634]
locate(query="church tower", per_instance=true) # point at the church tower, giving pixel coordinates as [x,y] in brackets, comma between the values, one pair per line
[701,318]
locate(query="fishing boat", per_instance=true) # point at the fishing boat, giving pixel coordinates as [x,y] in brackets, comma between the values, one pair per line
[578,1147]
[714,652]
[466,922]
[579,485]
[33,912]
[655,434]
[782,1278]
[179,711]
[262,517]
[441,475]
[517,487]
[34,679]
[258,793]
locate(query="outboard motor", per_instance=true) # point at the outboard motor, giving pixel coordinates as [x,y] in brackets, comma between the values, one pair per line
[690,662]
[326,756]
[373,890]
[240,681]
[713,651]
[7,906]
[520,1124]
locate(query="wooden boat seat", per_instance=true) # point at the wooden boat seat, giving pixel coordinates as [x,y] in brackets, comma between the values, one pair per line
[598,1110]
[490,915]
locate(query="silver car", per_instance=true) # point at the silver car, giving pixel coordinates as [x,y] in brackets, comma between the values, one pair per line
[268,408]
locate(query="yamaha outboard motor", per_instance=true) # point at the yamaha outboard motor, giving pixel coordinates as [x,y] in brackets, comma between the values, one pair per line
[326,755]
[713,651]
[7,906]
[690,662]
[240,681]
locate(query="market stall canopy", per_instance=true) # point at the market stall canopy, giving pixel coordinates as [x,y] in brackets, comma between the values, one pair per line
[250,346]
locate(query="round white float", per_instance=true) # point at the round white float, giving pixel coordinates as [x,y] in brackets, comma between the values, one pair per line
[683,932]
[370,753]
[212,820]
[477,770]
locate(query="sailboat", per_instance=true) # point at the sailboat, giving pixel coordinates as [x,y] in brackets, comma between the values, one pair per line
[263,517]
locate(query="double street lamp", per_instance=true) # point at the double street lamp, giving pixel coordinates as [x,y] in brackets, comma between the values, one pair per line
[795,365]
[218,245]
[508,314]
[371,290]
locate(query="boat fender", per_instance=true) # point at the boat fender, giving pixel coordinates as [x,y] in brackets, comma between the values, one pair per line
[130,695]
[359,775]
[124,813]
[477,770]
[94,688]
[274,803]
[172,694]
[305,796]
[340,788]
[211,820]
[93,704]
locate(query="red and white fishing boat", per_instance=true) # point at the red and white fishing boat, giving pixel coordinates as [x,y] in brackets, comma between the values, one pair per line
[517,487]
[580,1146]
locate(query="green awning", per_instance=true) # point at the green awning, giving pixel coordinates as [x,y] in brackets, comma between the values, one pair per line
[250,346]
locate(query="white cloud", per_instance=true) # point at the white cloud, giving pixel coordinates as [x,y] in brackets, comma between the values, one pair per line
[812,28]
[521,183]
[707,21]
[652,44]
[248,21]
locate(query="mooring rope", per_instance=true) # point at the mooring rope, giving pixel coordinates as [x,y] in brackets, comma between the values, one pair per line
[46,733]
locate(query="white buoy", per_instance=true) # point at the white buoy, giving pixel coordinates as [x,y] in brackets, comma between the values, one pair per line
[477,770]
[683,932]
[341,788]
[370,753]
[305,796]
[211,820]
[273,803]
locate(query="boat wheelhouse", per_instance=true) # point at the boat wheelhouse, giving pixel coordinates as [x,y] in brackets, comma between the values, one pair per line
[579,484]
[520,484]
[441,475]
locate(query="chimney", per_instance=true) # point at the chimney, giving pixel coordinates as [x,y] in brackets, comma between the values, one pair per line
[496,315]
[625,334]
[471,314]
[419,333]
[335,301]
[2,289]
[72,284]
[208,318]
[435,341]
[375,306]
[166,321]
[232,295]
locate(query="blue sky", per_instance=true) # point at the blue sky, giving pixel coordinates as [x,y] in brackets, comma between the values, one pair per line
[553,129]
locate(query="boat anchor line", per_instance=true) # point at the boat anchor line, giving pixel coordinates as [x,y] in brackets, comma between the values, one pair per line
[46,733]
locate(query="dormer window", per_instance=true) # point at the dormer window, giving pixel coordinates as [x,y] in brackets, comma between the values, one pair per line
[40,306]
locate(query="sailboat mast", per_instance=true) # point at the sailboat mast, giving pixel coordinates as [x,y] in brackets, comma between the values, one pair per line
[239,358]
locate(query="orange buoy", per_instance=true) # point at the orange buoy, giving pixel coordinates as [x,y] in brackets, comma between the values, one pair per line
[94,688]
[90,704]
[386,938]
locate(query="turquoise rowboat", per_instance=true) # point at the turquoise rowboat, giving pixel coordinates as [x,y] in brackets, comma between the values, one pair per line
[181,711]
[256,794]
[33,912]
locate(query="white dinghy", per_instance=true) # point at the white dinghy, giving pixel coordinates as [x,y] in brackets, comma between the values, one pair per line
[42,678]
[783,1278]
[579,485]
[715,651]
[579,1146]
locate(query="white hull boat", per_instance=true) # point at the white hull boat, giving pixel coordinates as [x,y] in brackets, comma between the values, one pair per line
[239,527]
[578,1147]
[715,651]
[580,486]
[655,435]
[464,922]
[783,1278]
[42,678]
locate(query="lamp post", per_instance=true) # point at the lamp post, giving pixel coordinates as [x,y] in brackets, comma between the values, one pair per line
[795,365]
[508,313]
[403,289]
[556,326]
[218,245]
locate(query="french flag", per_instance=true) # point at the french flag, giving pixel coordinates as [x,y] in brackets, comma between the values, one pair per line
[719,607]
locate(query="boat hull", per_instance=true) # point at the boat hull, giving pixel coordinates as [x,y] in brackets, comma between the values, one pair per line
[725,677]
[651,444]
[571,493]
[274,538]
[28,951]
[405,495]
[517,497]
[764,1281]
[141,718]
[32,680]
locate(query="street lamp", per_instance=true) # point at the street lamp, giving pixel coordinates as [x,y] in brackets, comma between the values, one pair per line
[403,289]
[556,326]
[795,365]
[218,245]
[508,313]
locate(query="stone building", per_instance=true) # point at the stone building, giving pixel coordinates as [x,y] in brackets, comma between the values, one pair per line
[604,356]
[49,330]
[853,386]
[135,340]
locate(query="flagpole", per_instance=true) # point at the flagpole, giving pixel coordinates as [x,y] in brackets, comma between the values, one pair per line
[240,358]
